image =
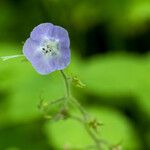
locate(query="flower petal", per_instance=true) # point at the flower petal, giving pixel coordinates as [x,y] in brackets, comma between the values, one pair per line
[42,31]
[44,67]
[30,49]
[64,43]
[64,51]
[37,59]
[62,35]
[62,62]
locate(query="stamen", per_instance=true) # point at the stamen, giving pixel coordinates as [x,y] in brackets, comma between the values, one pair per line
[50,47]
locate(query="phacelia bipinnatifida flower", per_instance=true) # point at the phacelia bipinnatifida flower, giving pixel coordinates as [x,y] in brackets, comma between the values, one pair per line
[48,48]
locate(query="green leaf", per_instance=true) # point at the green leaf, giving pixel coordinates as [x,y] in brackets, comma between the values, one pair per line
[120,78]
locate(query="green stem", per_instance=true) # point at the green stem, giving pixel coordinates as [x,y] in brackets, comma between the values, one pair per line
[81,109]
[91,134]
[66,83]
[79,106]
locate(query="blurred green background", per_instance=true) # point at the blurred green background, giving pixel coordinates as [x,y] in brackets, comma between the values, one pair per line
[110,43]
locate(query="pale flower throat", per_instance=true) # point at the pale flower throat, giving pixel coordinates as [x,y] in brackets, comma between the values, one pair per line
[50,47]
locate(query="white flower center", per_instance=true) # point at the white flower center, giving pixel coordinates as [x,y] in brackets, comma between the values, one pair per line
[50,47]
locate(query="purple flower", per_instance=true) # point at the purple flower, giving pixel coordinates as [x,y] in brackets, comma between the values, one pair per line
[48,48]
